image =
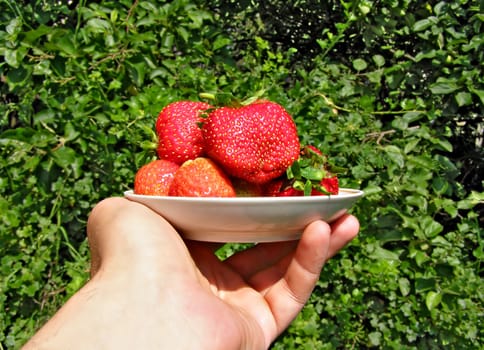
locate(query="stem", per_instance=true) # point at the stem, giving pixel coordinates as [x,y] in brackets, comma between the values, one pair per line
[207,95]
[339,108]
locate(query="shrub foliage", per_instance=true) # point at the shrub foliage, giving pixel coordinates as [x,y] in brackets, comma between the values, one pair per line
[391,90]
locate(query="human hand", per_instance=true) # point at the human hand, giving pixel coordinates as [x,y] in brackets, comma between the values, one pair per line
[150,289]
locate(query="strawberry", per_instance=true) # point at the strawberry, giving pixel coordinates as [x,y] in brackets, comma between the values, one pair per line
[330,184]
[178,130]
[256,142]
[201,177]
[155,178]
[247,189]
[310,175]
[327,186]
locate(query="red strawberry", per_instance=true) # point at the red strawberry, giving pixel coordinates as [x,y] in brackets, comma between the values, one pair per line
[290,192]
[327,186]
[201,177]
[330,184]
[275,186]
[311,175]
[155,178]
[178,129]
[256,142]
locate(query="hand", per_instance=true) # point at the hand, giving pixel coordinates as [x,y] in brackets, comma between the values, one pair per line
[152,290]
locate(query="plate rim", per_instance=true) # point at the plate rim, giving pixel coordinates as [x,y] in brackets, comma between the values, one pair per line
[348,193]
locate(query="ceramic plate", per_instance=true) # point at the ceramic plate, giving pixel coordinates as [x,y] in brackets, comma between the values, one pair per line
[247,219]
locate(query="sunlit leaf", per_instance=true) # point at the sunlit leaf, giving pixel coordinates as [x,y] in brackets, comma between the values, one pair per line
[433,299]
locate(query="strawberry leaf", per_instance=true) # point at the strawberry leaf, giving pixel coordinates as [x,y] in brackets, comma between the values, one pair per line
[226,99]
[308,188]
[313,174]
[307,173]
[298,185]
[257,96]
[220,99]
[294,171]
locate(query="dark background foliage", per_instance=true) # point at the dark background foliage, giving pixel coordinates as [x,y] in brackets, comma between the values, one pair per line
[391,90]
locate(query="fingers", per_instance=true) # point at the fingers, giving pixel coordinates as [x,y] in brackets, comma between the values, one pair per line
[287,294]
[308,251]
[249,262]
[259,257]
[303,262]
[343,231]
[289,282]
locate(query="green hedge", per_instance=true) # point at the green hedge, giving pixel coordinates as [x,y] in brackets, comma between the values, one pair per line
[391,90]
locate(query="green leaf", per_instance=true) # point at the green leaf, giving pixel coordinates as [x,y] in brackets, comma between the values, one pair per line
[65,43]
[308,187]
[424,24]
[20,75]
[18,134]
[441,241]
[98,25]
[410,145]
[449,206]
[66,158]
[70,132]
[15,57]
[183,33]
[294,171]
[372,189]
[312,174]
[471,201]
[433,299]
[360,64]
[430,227]
[221,42]
[384,254]
[479,93]
[404,285]
[444,144]
[32,35]
[440,185]
[411,117]
[137,70]
[379,60]
[463,99]
[421,258]
[443,88]
[375,338]
[395,154]
[14,26]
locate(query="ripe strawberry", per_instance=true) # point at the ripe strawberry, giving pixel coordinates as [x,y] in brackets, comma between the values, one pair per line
[256,142]
[290,192]
[201,177]
[155,178]
[178,129]
[274,187]
[330,184]
[310,175]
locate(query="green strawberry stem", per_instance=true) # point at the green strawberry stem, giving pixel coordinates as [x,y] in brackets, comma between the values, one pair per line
[306,173]
[221,99]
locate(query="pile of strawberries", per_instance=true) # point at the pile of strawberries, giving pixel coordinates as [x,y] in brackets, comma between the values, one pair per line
[232,151]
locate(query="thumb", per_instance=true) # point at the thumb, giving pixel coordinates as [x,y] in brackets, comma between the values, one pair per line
[123,235]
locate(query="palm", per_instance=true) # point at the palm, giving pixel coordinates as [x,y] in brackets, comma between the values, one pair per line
[268,282]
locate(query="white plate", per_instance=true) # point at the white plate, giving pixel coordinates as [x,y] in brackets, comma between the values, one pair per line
[247,219]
